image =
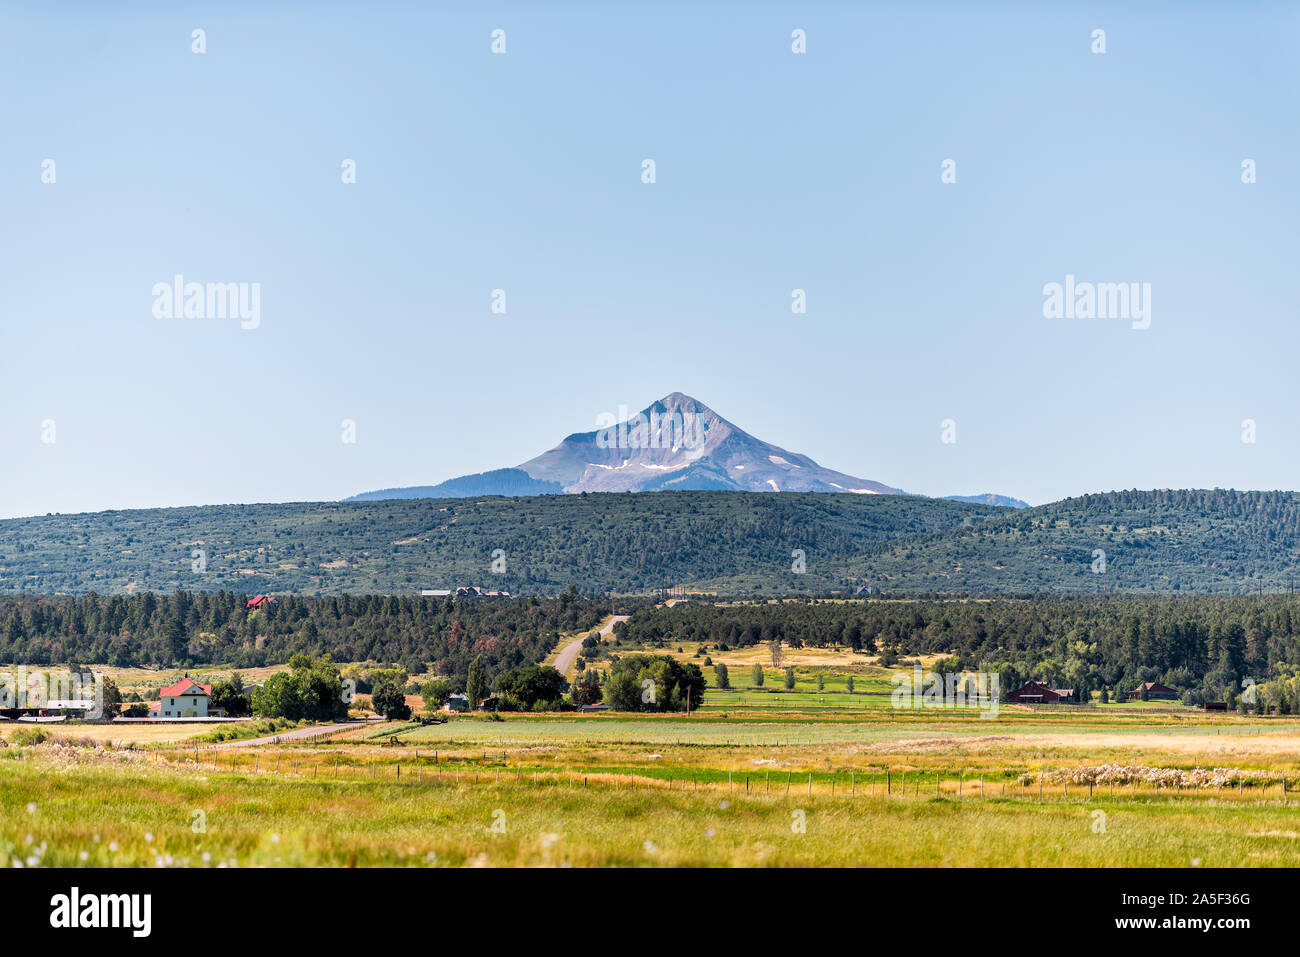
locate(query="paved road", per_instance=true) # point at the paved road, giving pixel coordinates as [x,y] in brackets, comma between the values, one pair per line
[564,661]
[292,735]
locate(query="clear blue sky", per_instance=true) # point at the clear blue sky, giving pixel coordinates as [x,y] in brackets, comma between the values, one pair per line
[523,171]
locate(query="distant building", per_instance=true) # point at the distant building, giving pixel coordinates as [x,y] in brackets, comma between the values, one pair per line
[185,699]
[435,593]
[1033,692]
[260,601]
[1155,692]
[456,702]
[474,591]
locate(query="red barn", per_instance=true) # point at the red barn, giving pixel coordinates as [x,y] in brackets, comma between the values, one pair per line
[259,602]
[1031,692]
[1155,692]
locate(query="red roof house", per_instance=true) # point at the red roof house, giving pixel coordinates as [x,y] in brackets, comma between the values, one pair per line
[185,699]
[183,687]
[259,601]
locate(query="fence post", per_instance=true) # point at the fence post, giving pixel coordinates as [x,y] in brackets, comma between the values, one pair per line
[787,783]
[810,784]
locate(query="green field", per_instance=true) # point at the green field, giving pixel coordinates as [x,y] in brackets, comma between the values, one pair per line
[762,779]
[56,811]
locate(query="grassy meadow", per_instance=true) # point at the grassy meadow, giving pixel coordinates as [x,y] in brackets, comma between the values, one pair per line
[71,807]
[759,776]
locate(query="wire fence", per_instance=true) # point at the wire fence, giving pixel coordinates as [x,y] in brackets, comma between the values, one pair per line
[887,783]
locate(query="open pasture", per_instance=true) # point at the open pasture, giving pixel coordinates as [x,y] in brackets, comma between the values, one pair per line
[68,807]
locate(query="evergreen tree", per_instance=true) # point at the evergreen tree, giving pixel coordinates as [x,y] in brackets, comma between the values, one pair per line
[476,683]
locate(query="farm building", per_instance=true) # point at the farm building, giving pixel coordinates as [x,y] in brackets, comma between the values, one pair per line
[456,702]
[185,699]
[1155,692]
[475,591]
[1033,692]
[259,601]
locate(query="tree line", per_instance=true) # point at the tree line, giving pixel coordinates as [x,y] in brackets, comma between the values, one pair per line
[192,629]
[1204,646]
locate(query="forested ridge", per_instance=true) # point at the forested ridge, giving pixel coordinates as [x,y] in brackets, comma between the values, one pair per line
[730,543]
[603,542]
[1164,541]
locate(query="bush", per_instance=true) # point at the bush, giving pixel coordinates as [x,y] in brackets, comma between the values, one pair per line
[27,737]
[389,700]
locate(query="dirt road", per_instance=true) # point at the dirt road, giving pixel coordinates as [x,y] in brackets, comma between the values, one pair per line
[569,653]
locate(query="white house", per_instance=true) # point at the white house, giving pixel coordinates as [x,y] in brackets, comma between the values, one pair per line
[184,699]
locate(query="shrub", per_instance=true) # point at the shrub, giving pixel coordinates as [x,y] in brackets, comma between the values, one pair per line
[27,737]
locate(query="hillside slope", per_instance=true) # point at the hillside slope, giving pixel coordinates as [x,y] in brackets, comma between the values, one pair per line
[600,541]
[1167,542]
[1159,541]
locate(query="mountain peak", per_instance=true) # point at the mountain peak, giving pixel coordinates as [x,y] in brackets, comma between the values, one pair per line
[674,443]
[679,401]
